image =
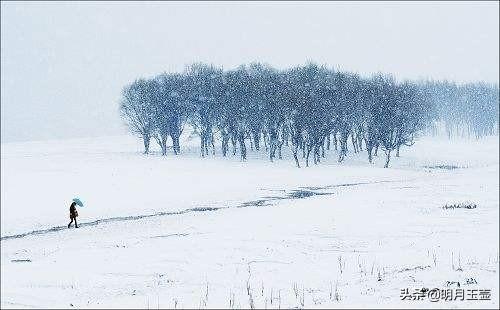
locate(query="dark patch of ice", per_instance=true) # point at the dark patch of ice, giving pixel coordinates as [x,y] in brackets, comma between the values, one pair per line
[171,235]
[444,167]
[27,260]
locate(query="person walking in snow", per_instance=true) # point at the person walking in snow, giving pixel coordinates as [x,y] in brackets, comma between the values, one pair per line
[73,214]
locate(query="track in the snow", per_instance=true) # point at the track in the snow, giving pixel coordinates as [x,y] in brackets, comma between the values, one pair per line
[302,192]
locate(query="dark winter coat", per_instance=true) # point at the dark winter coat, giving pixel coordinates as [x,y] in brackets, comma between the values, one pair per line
[72,211]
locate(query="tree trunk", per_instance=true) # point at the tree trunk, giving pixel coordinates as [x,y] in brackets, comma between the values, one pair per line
[295,148]
[343,146]
[360,142]
[203,143]
[225,141]
[164,145]
[369,149]
[280,144]
[294,151]
[146,139]
[162,142]
[243,148]
[202,146]
[387,159]
[256,140]
[273,143]
[264,136]
[272,150]
[286,135]
[341,154]
[175,144]
[354,145]
[307,155]
[212,142]
[233,142]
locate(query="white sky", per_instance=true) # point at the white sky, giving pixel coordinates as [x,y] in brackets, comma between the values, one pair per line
[63,64]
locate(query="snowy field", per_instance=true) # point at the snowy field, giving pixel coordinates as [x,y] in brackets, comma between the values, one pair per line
[176,232]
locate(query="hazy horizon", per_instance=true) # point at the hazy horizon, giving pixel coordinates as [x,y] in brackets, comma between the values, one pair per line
[63,65]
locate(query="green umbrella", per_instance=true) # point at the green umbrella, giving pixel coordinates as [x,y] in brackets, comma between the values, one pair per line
[78,201]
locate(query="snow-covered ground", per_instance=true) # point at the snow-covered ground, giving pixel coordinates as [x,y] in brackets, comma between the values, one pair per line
[226,233]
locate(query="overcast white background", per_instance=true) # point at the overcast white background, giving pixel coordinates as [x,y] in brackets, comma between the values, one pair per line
[63,65]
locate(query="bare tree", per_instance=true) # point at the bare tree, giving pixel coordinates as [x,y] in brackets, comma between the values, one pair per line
[136,108]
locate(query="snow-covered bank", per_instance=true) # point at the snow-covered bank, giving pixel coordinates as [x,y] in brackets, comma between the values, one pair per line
[358,246]
[115,179]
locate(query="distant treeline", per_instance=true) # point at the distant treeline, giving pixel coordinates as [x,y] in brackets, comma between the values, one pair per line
[308,108]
